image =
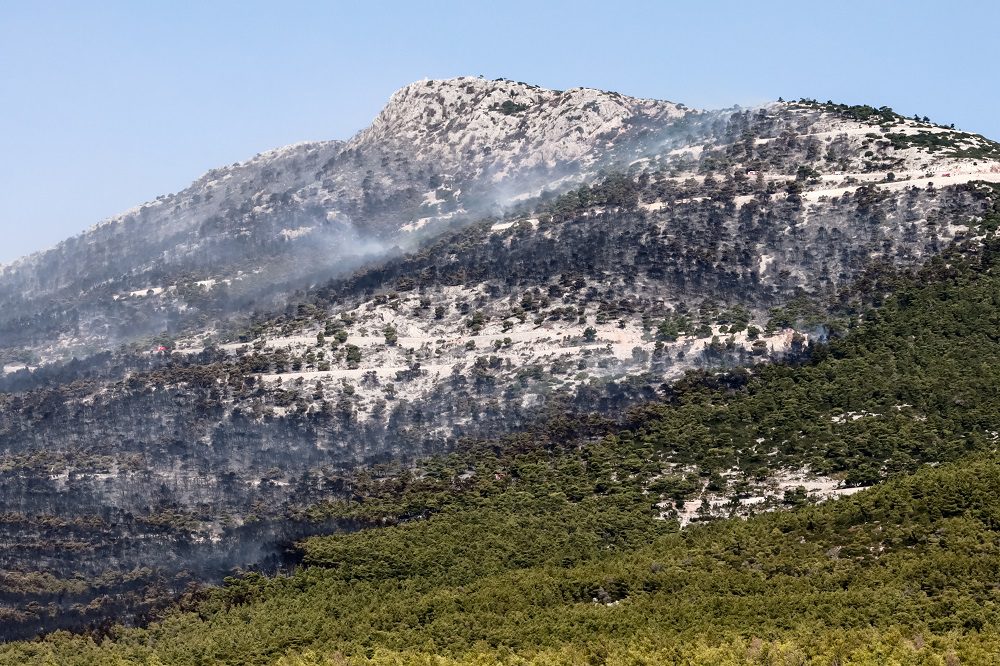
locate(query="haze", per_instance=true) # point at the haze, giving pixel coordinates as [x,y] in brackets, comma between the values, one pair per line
[104,108]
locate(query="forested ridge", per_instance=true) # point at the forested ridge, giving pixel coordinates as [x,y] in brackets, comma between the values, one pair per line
[549,547]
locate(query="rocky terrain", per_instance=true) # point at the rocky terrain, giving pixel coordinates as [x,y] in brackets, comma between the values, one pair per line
[247,235]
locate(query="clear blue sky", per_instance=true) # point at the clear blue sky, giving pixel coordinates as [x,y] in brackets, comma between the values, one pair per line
[104,105]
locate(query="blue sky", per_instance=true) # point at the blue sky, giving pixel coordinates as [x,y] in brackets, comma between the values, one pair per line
[104,105]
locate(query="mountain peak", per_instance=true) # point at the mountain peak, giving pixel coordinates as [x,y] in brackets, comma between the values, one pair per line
[480,121]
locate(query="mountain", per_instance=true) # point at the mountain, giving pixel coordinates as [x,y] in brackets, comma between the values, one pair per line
[246,235]
[192,385]
[442,153]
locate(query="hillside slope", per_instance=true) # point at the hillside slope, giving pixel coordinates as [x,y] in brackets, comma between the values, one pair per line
[488,259]
[911,383]
[536,575]
[442,153]
[243,235]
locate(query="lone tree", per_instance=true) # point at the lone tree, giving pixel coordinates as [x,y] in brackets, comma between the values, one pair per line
[353,356]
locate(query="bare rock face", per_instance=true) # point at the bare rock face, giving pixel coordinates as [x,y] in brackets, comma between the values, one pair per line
[500,128]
